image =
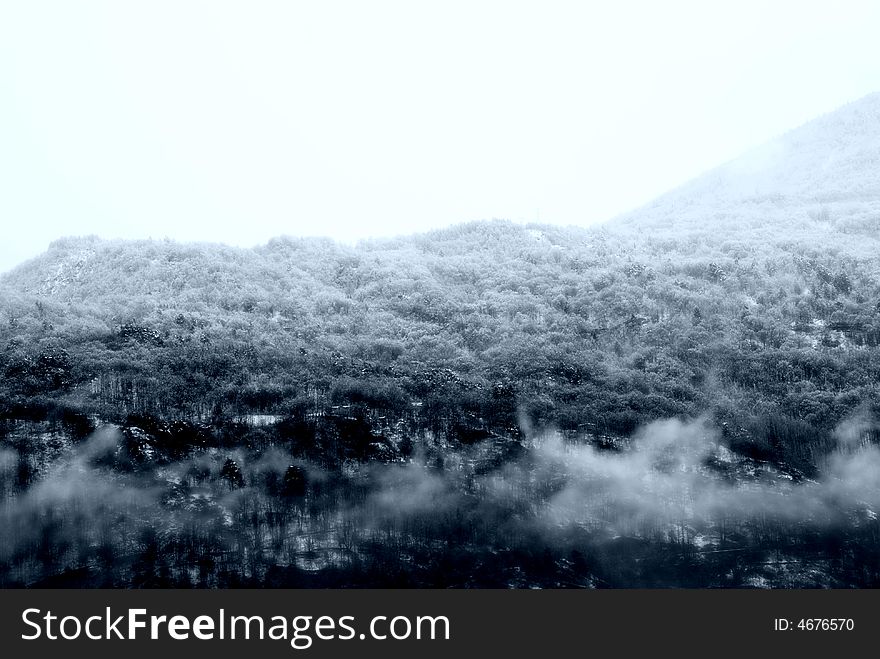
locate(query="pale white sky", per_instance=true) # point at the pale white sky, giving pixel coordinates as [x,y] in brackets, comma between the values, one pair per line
[239,121]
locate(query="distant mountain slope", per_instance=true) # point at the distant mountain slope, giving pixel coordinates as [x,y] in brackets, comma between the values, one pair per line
[827,170]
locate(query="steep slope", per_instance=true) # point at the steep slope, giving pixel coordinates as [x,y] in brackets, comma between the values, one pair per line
[827,170]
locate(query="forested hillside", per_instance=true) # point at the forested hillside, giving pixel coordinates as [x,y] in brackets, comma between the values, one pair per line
[748,299]
[597,331]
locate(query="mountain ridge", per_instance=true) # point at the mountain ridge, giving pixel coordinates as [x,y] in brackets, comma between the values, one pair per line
[820,177]
[828,165]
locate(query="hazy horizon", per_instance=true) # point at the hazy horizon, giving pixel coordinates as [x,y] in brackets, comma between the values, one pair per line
[227,124]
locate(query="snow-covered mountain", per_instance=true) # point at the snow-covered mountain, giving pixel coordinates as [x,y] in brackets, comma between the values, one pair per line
[827,171]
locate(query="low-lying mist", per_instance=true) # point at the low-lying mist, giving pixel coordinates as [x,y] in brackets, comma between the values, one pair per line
[670,472]
[230,517]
